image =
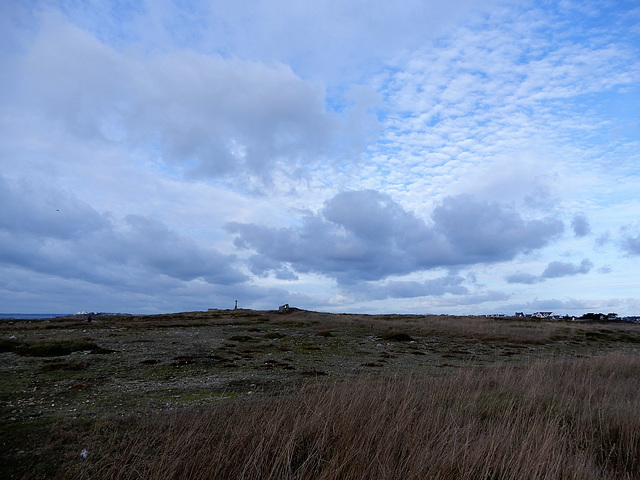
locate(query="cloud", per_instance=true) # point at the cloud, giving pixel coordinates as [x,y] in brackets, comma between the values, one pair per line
[553,270]
[41,210]
[23,290]
[554,305]
[525,278]
[207,115]
[49,230]
[365,235]
[449,284]
[261,266]
[632,245]
[630,239]
[603,239]
[496,108]
[580,226]
[462,135]
[325,38]
[150,243]
[578,306]
[482,297]
[564,269]
[486,231]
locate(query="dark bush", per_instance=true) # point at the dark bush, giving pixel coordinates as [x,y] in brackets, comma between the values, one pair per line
[272,335]
[50,348]
[240,338]
[396,337]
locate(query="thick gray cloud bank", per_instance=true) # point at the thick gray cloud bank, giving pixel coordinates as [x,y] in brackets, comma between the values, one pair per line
[365,235]
[48,230]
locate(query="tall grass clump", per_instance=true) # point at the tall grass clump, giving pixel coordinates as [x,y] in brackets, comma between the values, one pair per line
[560,419]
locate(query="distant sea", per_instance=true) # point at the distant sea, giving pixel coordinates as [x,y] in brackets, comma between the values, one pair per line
[32,316]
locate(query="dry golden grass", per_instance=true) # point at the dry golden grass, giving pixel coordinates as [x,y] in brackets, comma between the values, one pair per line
[554,419]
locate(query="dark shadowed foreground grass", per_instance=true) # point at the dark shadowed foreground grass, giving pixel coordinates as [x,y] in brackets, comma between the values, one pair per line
[555,419]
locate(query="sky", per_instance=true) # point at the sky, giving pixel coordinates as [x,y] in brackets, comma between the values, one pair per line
[356,156]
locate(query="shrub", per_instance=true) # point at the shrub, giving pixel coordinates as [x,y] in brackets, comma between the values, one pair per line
[50,348]
[396,337]
[240,338]
[273,335]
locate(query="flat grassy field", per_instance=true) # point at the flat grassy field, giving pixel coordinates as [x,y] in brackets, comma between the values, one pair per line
[303,395]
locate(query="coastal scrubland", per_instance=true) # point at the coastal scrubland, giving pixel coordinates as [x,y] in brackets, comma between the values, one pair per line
[303,395]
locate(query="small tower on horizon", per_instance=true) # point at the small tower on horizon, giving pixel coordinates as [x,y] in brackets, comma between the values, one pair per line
[236,307]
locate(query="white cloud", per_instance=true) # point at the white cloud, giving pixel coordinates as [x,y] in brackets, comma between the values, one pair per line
[210,116]
[497,101]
